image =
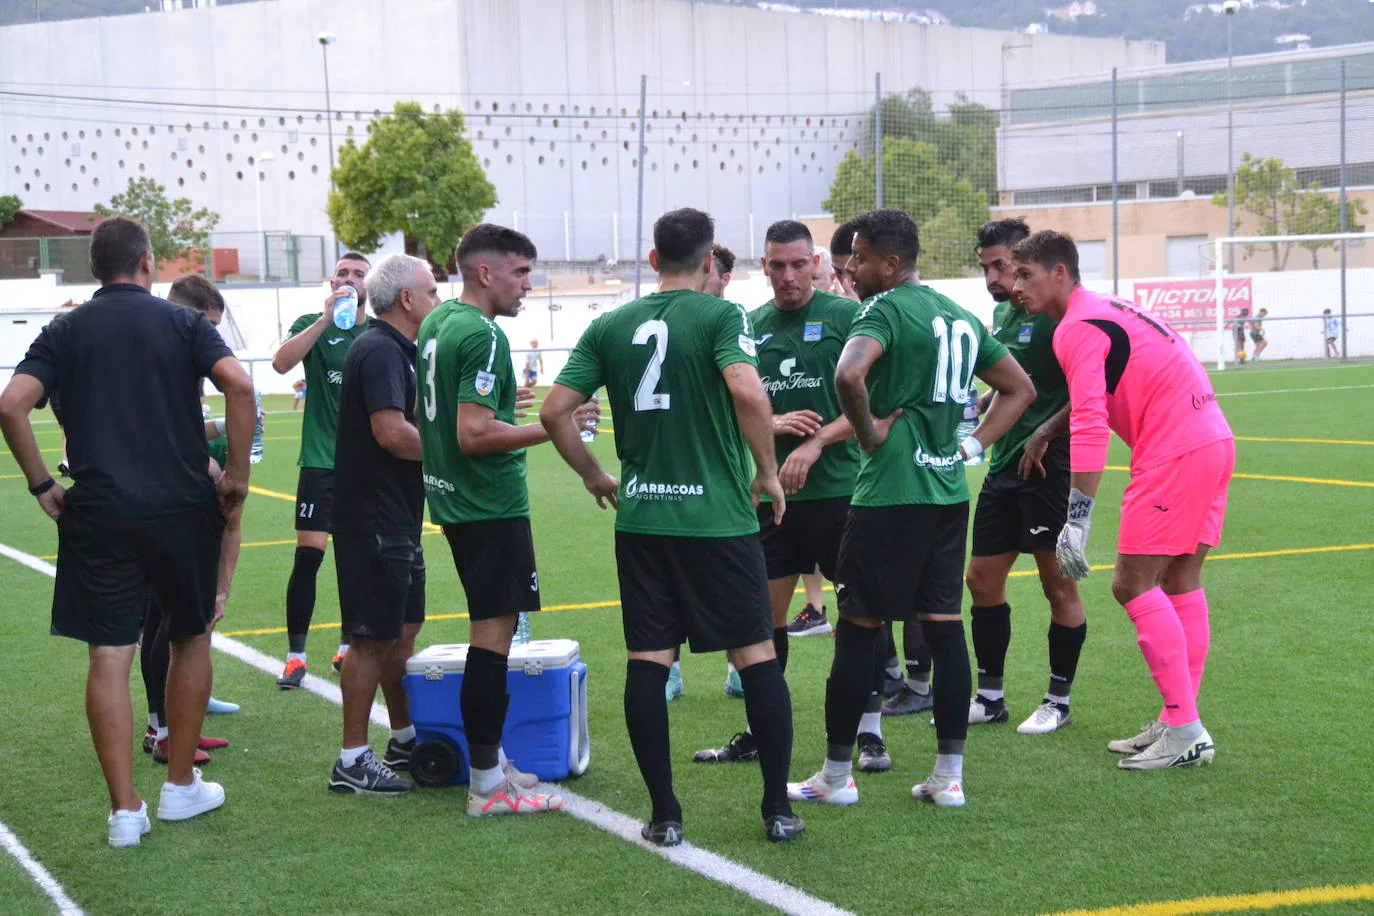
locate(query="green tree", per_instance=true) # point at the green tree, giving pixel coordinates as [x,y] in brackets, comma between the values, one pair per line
[176,228]
[1318,214]
[948,209]
[965,136]
[417,175]
[10,204]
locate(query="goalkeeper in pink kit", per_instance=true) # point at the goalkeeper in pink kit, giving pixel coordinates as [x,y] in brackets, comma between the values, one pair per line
[1129,373]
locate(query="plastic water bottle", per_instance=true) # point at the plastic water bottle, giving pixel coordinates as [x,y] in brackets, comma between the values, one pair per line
[346,309]
[522,630]
[588,432]
[255,455]
[969,423]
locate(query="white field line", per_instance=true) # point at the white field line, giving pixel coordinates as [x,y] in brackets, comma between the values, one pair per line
[1236,394]
[768,891]
[40,875]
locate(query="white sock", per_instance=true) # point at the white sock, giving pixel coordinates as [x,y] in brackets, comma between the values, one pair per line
[921,687]
[296,657]
[501,758]
[871,724]
[161,733]
[677,666]
[837,770]
[730,669]
[153,720]
[349,755]
[403,734]
[950,765]
[1058,701]
[343,649]
[991,694]
[485,781]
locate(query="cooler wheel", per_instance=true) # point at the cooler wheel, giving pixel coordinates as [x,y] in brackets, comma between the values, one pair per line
[434,764]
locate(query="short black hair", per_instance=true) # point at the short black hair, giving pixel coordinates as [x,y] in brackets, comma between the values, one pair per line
[194,291]
[117,245]
[890,232]
[842,240]
[1048,249]
[488,238]
[786,231]
[1002,232]
[682,238]
[724,257]
[354,256]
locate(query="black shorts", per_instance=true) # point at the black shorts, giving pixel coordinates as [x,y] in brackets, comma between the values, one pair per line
[495,562]
[899,562]
[1256,336]
[314,499]
[809,536]
[381,583]
[709,592]
[107,573]
[1023,516]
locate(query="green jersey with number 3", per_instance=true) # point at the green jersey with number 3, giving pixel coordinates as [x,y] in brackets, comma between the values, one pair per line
[1029,338]
[464,358]
[324,366]
[931,349]
[798,352]
[684,466]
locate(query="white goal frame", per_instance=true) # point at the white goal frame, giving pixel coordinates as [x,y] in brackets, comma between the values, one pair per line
[1219,272]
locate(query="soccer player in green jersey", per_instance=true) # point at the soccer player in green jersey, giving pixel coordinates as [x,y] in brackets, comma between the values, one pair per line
[317,342]
[902,381]
[722,267]
[679,368]
[474,477]
[1023,504]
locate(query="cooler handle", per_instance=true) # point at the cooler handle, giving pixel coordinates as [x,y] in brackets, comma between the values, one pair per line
[580,743]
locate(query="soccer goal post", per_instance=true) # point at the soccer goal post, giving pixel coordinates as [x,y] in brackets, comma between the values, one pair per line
[1316,302]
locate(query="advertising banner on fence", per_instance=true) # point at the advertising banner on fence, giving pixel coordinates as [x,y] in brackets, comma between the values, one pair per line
[1185,301]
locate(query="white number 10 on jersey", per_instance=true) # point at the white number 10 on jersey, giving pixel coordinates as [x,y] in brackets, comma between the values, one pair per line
[957,347]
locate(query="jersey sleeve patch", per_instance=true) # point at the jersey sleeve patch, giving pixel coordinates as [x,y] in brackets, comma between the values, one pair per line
[484,382]
[746,343]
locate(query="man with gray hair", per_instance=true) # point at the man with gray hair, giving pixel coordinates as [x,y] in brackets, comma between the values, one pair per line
[376,523]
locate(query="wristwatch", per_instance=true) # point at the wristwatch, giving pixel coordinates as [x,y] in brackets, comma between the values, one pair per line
[43,487]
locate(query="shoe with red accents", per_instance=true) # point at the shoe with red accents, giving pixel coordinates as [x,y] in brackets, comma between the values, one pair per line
[507,798]
[942,791]
[160,753]
[212,744]
[820,788]
[293,676]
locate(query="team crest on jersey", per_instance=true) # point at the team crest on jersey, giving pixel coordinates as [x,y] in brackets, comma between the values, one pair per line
[746,343]
[334,377]
[485,383]
[1024,335]
[812,331]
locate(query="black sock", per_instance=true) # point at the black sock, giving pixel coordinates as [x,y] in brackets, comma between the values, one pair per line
[780,647]
[768,706]
[300,596]
[1066,644]
[849,686]
[154,656]
[952,683]
[646,719]
[483,701]
[991,636]
[917,652]
[891,654]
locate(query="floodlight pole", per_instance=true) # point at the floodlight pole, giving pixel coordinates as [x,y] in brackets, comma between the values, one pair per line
[639,195]
[1116,195]
[1344,227]
[1230,151]
[878,140]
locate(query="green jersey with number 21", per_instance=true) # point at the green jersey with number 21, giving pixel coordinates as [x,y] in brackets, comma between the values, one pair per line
[931,349]
[684,467]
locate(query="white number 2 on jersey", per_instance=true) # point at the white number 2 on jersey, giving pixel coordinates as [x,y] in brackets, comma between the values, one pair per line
[645,396]
[955,359]
[431,402]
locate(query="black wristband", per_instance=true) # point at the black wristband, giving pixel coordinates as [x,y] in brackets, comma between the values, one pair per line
[43,487]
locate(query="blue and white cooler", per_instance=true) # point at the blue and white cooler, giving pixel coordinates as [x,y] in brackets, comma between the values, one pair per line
[546,723]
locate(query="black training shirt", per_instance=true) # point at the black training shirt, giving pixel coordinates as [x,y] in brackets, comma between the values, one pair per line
[374,491]
[129,368]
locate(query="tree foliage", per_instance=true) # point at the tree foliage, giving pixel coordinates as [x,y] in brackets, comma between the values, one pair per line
[965,136]
[10,204]
[417,175]
[176,228]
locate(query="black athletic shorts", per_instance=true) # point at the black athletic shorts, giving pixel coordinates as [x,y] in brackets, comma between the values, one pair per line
[711,593]
[1023,516]
[314,499]
[495,563]
[1256,334]
[809,536]
[381,583]
[106,574]
[898,562]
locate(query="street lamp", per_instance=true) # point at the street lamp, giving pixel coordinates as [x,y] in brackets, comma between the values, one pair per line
[326,39]
[258,177]
[1230,7]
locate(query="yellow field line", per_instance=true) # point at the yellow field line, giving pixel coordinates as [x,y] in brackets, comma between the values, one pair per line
[334,625]
[1312,441]
[1268,900]
[1325,481]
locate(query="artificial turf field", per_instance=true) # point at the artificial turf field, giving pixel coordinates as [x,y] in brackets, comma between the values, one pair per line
[1051,824]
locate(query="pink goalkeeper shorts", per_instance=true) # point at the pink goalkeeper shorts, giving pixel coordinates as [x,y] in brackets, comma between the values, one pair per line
[1168,510]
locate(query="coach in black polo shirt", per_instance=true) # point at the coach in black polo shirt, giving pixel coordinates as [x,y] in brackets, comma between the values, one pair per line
[378,510]
[144,515]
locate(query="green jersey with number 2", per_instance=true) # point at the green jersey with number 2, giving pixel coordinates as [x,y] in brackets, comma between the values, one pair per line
[931,349]
[684,466]
[464,358]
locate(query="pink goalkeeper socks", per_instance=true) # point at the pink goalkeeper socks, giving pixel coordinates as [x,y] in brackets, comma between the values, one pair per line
[1191,608]
[1165,647]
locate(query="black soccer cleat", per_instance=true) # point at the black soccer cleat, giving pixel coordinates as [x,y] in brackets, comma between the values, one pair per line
[783,828]
[664,833]
[740,749]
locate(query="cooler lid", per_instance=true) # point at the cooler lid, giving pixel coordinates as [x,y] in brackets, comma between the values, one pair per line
[450,658]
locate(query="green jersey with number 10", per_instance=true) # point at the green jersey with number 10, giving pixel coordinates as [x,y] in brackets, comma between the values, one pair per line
[931,349]
[684,466]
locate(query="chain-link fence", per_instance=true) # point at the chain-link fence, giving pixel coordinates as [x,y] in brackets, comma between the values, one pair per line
[28,257]
[274,257]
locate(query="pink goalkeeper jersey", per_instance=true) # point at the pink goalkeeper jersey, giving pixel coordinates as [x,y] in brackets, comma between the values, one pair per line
[1128,372]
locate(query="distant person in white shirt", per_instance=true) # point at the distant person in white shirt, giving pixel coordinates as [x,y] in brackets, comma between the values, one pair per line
[1333,333]
[534,364]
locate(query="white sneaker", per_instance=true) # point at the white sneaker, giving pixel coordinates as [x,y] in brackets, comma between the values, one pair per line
[1049,716]
[1152,733]
[507,798]
[128,827]
[941,790]
[820,788]
[180,803]
[1184,746]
